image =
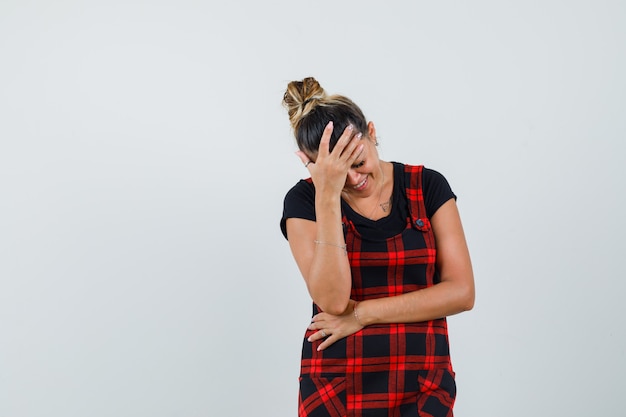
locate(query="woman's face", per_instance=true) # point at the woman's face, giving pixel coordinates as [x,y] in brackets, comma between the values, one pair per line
[364,176]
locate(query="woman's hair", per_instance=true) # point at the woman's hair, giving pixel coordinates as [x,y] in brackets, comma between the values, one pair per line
[310,109]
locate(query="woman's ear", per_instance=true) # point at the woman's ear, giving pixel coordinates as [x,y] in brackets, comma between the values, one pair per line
[371,131]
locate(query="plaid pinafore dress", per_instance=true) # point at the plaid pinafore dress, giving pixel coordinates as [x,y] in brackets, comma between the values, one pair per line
[384,370]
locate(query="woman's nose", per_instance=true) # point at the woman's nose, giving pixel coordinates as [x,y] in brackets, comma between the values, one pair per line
[353,177]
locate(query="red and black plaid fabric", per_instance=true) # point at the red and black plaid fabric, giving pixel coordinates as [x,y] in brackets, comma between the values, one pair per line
[384,370]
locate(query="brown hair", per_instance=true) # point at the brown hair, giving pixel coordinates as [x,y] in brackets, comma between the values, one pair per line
[310,109]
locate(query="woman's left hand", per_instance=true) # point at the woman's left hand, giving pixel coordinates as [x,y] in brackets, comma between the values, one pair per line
[332,328]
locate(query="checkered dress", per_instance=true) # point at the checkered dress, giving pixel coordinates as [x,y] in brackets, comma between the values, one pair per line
[384,370]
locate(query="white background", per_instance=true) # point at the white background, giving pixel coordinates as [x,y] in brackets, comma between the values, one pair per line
[145,154]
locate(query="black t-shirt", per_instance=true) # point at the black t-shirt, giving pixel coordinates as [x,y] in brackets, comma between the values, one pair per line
[300,203]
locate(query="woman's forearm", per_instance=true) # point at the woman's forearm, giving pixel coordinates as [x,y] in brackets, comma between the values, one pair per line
[329,278]
[455,292]
[441,300]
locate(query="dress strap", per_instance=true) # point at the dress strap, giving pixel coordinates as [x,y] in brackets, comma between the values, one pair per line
[415,193]
[417,207]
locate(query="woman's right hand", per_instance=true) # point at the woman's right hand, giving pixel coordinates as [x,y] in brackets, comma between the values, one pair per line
[330,170]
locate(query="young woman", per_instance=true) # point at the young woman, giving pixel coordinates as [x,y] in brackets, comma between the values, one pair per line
[382,251]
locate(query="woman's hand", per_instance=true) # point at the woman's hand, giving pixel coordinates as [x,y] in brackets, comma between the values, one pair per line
[330,169]
[333,328]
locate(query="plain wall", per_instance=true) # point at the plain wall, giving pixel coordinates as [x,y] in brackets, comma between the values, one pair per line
[144,157]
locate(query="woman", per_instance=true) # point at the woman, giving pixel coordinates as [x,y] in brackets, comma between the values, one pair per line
[382,251]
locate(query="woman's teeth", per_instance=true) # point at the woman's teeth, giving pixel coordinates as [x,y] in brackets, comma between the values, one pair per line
[361,184]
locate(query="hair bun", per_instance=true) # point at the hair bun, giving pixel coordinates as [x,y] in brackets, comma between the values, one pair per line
[301,97]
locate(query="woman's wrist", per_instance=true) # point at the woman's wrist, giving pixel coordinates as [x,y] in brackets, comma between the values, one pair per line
[360,313]
[356,314]
[328,219]
[327,197]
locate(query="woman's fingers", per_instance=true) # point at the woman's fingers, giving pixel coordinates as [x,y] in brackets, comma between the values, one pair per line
[353,149]
[325,335]
[320,334]
[330,169]
[306,161]
[344,140]
[347,148]
[324,148]
[331,328]
[348,141]
[329,341]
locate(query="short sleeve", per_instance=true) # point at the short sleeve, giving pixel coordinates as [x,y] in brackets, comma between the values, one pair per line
[299,203]
[436,191]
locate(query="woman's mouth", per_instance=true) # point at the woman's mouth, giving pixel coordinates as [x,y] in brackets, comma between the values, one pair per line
[360,186]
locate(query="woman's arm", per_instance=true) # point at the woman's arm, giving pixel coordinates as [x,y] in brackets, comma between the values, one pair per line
[454,294]
[319,247]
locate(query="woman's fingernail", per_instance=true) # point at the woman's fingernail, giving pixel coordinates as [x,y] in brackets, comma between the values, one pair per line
[309,339]
[359,135]
[350,127]
[330,124]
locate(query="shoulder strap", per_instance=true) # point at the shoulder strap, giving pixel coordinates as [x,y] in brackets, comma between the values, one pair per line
[414,192]
[415,196]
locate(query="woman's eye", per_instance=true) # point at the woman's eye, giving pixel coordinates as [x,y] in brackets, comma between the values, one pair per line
[359,165]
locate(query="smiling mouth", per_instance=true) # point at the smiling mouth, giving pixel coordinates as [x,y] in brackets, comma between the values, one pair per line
[361,185]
